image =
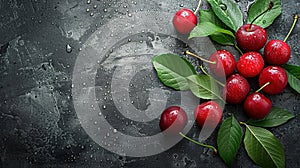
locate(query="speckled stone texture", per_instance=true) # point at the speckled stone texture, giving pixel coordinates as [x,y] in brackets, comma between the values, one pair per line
[40,41]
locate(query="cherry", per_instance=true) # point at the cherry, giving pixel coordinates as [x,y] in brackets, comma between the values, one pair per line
[256,105]
[278,52]
[277,78]
[224,63]
[208,113]
[173,119]
[184,21]
[251,37]
[221,62]
[236,89]
[250,64]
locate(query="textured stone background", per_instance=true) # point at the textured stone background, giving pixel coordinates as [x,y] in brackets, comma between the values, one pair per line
[38,124]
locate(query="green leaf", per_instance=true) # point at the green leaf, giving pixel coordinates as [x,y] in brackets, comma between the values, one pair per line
[276,117]
[222,39]
[219,37]
[293,82]
[209,16]
[229,139]
[227,11]
[293,69]
[204,87]
[204,29]
[293,74]
[172,70]
[259,7]
[263,147]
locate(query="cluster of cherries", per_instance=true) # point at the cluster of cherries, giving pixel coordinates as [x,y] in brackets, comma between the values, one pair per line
[272,78]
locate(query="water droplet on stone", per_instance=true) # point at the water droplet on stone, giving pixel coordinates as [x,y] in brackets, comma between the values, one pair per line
[92,14]
[21,42]
[87,10]
[88,1]
[104,107]
[105,10]
[95,6]
[68,48]
[115,130]
[129,14]
[223,6]
[181,5]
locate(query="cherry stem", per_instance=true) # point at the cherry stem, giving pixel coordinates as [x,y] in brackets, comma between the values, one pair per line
[203,70]
[242,123]
[271,4]
[202,59]
[199,143]
[198,7]
[239,50]
[263,86]
[291,29]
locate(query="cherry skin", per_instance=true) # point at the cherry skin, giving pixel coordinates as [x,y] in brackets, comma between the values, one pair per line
[277,78]
[251,38]
[208,113]
[184,21]
[236,89]
[225,63]
[250,64]
[173,119]
[257,106]
[277,52]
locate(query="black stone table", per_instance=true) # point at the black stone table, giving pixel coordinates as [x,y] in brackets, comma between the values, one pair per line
[77,87]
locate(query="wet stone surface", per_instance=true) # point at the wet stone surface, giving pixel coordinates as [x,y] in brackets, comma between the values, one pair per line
[55,55]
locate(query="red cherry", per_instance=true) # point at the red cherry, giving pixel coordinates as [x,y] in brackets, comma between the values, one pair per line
[184,21]
[277,52]
[250,64]
[173,120]
[257,106]
[225,63]
[208,113]
[277,78]
[251,38]
[236,89]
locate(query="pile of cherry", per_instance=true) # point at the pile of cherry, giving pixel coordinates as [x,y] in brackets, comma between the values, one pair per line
[266,68]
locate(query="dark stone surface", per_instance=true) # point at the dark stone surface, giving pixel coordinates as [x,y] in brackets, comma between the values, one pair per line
[39,125]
